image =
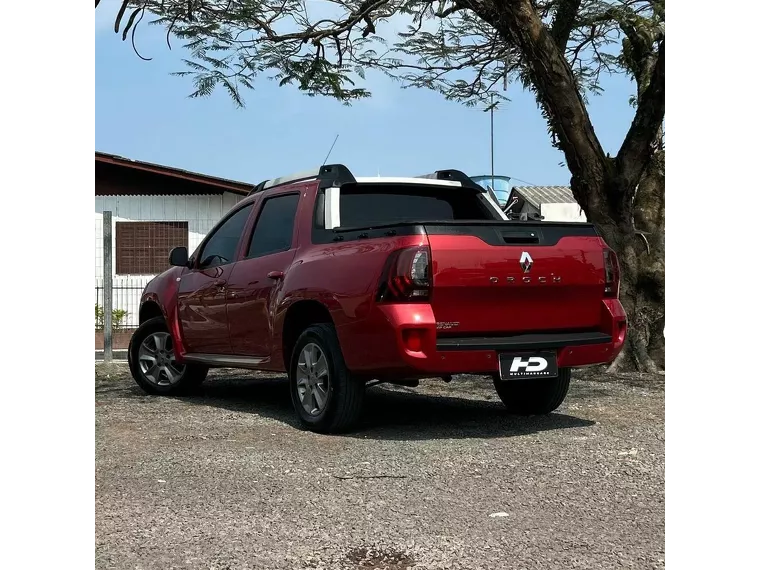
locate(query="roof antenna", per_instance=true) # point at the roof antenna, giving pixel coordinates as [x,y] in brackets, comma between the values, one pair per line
[330,151]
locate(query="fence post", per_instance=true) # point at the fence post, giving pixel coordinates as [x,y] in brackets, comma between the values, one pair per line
[107,288]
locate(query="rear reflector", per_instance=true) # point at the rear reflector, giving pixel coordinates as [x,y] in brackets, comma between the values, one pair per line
[412,339]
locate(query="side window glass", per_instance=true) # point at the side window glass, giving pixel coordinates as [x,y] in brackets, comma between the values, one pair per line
[221,246]
[274,229]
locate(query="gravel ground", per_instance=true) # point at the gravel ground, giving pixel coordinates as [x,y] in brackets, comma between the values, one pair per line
[436,477]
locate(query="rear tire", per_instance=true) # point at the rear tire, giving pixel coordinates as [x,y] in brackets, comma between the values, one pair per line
[326,398]
[533,397]
[151,361]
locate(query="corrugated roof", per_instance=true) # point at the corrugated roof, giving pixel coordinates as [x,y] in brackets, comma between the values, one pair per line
[537,195]
[234,186]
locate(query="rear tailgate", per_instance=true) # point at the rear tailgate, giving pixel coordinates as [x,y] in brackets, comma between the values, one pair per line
[501,278]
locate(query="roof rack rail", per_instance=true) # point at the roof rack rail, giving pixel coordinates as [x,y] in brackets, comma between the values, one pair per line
[327,174]
[454,176]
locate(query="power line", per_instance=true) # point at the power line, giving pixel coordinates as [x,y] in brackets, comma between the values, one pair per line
[523,181]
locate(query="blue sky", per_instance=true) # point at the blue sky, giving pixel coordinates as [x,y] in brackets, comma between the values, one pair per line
[142,112]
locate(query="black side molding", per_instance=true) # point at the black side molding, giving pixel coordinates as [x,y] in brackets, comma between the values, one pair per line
[534,341]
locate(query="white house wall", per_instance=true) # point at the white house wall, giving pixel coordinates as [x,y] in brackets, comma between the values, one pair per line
[562,213]
[201,212]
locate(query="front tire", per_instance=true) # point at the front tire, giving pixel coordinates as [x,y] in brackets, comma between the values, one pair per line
[327,399]
[152,363]
[533,397]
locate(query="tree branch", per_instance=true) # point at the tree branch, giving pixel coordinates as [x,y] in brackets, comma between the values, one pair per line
[314,33]
[636,148]
[557,92]
[564,21]
[448,11]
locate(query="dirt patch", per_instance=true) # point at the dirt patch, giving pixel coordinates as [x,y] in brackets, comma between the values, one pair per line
[382,559]
[637,379]
[435,478]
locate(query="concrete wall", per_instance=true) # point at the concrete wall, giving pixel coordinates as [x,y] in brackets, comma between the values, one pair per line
[562,213]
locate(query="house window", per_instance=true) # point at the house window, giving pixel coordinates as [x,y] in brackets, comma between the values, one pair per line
[142,248]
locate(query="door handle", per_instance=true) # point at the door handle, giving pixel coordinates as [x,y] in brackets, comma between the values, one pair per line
[220,283]
[275,274]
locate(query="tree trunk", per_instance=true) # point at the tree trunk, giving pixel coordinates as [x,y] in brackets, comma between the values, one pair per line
[649,216]
[641,250]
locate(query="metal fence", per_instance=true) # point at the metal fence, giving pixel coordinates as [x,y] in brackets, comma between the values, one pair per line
[125,303]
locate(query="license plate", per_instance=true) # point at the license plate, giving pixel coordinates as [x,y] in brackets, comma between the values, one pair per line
[527,365]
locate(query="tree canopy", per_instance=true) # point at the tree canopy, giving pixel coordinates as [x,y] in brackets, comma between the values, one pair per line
[460,48]
[464,49]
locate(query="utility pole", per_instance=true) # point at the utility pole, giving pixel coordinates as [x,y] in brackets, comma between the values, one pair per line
[107,287]
[492,171]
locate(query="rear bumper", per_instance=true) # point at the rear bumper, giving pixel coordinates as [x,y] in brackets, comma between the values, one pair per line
[403,340]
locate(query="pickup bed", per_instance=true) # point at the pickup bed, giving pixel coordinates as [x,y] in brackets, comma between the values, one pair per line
[343,282]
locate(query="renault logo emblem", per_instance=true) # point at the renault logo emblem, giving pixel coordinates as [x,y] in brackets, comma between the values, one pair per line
[526,262]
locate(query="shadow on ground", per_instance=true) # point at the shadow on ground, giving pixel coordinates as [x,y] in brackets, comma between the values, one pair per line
[388,414]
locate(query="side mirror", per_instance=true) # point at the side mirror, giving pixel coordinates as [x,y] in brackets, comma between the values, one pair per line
[178,256]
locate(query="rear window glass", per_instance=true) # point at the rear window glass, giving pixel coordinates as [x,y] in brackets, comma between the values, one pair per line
[376,205]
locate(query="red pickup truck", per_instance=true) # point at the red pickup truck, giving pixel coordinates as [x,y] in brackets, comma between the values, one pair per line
[344,282]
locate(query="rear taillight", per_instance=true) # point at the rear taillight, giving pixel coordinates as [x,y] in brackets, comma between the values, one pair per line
[611,274]
[406,277]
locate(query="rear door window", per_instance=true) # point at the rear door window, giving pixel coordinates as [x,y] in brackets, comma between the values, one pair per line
[274,228]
